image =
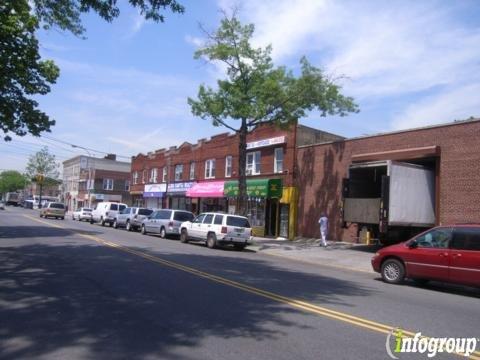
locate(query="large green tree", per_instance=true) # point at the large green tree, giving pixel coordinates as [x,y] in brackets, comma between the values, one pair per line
[23,74]
[256,92]
[42,163]
[11,180]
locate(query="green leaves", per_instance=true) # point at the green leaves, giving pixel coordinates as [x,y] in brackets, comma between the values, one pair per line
[22,73]
[257,91]
[12,180]
[42,162]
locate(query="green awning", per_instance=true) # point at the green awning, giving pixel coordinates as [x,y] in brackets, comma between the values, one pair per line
[268,188]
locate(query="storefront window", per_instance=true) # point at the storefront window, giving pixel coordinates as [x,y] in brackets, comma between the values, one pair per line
[256,211]
[213,205]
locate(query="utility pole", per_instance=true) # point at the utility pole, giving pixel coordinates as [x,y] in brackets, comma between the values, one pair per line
[40,178]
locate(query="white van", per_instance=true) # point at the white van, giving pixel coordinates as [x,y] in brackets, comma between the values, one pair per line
[106,212]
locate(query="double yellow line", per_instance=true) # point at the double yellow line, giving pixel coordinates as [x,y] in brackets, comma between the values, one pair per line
[301,305]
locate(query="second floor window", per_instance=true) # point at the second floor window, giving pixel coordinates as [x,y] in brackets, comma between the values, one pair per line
[107,184]
[127,185]
[253,163]
[210,169]
[178,172]
[228,166]
[164,174]
[135,178]
[192,170]
[278,164]
[154,175]
[144,176]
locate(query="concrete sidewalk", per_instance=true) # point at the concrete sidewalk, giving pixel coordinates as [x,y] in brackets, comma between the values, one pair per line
[342,255]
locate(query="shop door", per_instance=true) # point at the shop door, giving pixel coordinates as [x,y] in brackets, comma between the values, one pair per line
[271,218]
[284,210]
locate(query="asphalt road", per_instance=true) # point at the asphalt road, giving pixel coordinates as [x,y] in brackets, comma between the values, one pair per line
[71,290]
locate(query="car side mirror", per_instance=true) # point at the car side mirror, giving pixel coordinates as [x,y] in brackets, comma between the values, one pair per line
[413,245]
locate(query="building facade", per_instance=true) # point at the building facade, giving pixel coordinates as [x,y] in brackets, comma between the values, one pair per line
[450,151]
[88,180]
[204,176]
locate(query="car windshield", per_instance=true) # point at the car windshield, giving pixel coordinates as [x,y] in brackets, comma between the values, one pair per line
[121,207]
[87,210]
[182,216]
[144,212]
[113,207]
[57,206]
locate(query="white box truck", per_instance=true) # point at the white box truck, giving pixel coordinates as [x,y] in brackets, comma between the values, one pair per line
[393,200]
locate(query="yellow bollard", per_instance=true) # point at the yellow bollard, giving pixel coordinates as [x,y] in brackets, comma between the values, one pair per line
[368,238]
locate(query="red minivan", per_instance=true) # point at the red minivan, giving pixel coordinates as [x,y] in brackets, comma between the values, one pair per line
[444,253]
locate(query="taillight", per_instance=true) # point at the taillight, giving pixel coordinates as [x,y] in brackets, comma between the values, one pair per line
[224,230]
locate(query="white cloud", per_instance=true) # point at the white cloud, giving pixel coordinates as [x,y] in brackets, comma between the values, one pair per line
[458,104]
[386,50]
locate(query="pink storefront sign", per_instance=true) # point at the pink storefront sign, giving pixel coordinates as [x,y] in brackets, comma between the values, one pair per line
[212,189]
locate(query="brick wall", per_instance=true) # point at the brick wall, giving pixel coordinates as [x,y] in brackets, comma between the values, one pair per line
[322,167]
[218,147]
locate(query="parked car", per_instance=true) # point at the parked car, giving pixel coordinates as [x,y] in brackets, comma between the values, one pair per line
[105,212]
[166,222]
[217,229]
[444,253]
[82,214]
[131,217]
[53,209]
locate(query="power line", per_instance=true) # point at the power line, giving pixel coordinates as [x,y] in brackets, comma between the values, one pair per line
[82,147]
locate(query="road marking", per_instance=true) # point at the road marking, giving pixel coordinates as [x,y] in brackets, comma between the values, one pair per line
[298,304]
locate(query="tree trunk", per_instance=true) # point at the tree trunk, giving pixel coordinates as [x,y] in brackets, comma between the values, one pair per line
[242,165]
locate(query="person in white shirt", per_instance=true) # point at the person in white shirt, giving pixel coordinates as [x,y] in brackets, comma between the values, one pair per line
[323,222]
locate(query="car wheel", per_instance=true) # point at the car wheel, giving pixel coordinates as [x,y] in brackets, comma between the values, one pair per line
[102,222]
[63,218]
[73,217]
[239,247]
[163,234]
[115,224]
[184,236]
[143,230]
[393,271]
[128,226]
[211,241]
[41,215]
[91,221]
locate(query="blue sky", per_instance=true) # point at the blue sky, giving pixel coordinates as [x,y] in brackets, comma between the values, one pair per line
[124,89]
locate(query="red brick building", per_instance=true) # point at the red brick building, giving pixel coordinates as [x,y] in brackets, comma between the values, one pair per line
[202,177]
[452,151]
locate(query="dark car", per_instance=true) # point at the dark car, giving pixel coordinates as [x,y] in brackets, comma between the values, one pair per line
[444,253]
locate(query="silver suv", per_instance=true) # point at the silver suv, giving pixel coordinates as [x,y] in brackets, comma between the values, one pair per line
[131,218]
[217,229]
[166,222]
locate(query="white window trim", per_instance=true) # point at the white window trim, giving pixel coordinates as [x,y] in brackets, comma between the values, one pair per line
[164,174]
[178,174]
[135,178]
[154,175]
[254,170]
[209,169]
[109,183]
[228,166]
[275,160]
[192,170]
